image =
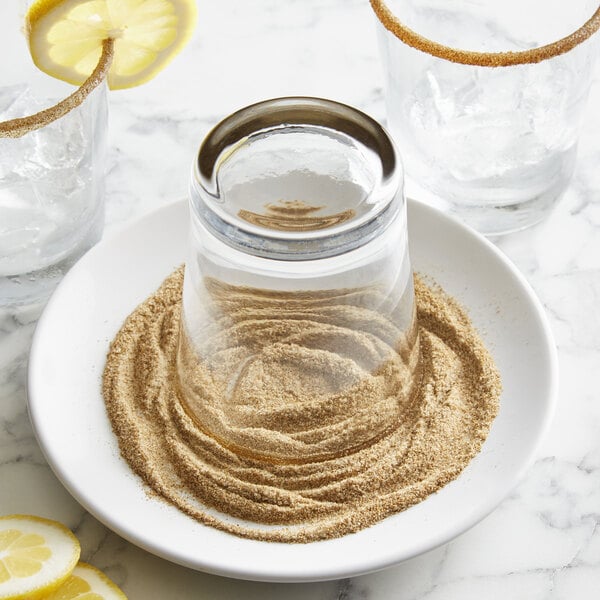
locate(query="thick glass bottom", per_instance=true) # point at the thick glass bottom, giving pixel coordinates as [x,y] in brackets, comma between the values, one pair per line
[36,286]
[493,220]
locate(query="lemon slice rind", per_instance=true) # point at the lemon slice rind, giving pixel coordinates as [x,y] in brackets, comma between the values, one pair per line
[86,579]
[65,37]
[41,544]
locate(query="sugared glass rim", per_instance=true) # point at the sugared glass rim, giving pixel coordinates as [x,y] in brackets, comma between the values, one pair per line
[483,59]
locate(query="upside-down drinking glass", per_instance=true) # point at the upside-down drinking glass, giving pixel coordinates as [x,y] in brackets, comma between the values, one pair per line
[298,284]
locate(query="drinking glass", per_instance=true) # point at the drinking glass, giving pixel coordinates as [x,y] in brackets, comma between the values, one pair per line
[485,101]
[51,179]
[298,336]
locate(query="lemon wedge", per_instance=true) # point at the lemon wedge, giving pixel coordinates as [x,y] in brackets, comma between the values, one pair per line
[87,583]
[36,556]
[65,37]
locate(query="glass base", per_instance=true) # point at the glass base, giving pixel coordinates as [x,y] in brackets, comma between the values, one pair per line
[36,286]
[488,219]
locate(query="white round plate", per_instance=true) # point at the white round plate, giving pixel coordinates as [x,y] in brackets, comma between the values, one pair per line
[68,415]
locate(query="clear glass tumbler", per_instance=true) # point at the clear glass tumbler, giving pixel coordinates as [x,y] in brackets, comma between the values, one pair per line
[485,101]
[298,335]
[51,179]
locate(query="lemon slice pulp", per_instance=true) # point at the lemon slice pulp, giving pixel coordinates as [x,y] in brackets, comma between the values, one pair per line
[65,37]
[36,556]
[87,583]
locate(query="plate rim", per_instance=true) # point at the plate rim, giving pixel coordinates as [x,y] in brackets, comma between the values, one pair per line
[281,575]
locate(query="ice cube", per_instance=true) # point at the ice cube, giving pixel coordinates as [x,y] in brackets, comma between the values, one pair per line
[23,220]
[498,90]
[61,144]
[62,193]
[9,97]
[443,95]
[16,154]
[18,101]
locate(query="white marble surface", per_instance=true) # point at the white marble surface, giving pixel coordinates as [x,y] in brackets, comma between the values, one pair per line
[543,541]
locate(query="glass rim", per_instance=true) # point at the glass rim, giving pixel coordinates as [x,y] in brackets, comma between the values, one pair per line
[483,59]
[21,126]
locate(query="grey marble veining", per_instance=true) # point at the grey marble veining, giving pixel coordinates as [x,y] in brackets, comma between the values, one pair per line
[543,541]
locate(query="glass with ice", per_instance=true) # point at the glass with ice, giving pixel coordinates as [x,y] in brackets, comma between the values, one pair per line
[485,101]
[53,136]
[51,192]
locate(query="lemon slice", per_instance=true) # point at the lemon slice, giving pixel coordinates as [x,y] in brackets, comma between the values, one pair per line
[36,556]
[87,583]
[65,37]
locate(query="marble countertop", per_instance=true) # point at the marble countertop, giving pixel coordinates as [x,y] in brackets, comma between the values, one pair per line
[543,541]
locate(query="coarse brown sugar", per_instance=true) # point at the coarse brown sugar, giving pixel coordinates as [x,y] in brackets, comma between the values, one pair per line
[441,427]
